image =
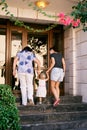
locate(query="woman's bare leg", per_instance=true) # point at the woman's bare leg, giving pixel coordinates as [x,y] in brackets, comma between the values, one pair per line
[54,90]
[57,89]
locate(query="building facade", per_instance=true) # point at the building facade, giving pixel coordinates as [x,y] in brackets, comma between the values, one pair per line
[71,42]
[75,46]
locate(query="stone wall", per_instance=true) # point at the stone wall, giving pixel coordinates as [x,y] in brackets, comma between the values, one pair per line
[69,49]
[75,48]
[81,63]
[28,15]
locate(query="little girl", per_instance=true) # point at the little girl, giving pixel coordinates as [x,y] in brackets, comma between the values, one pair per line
[41,90]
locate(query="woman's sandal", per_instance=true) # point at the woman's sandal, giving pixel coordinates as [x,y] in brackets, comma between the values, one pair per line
[56,102]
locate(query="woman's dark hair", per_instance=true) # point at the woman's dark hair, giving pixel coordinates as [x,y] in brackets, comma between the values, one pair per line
[54,48]
[26,49]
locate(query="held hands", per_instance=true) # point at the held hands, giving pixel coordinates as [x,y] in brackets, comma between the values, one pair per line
[47,71]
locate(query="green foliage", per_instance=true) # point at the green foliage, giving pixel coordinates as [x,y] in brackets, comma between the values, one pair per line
[80,12]
[21,23]
[35,44]
[9,118]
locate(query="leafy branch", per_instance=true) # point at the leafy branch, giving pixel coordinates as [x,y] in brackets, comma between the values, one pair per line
[79,15]
[21,23]
[80,12]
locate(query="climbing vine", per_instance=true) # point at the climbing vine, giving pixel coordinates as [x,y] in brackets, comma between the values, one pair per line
[79,16]
[41,11]
[21,23]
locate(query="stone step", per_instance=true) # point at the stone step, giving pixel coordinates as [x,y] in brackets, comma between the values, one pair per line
[56,116]
[49,108]
[63,99]
[70,114]
[68,125]
[67,99]
[79,129]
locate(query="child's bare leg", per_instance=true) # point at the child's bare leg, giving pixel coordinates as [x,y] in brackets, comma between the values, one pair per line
[40,100]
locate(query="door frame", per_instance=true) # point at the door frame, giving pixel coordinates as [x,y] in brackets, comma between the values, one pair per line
[10,27]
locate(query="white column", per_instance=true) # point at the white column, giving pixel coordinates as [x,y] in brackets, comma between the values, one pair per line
[70,58]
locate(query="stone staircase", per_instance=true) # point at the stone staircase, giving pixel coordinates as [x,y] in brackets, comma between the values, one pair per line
[70,114]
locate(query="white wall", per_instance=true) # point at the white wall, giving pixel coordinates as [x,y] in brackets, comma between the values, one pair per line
[75,46]
[28,15]
[81,62]
[69,49]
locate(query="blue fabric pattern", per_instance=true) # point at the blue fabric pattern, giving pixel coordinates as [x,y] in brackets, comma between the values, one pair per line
[25,64]
[29,57]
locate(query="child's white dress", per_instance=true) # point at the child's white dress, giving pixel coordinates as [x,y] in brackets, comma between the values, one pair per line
[41,90]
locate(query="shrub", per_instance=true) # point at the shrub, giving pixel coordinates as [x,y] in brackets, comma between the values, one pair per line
[9,117]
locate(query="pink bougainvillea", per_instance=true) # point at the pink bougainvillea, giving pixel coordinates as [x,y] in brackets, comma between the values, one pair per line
[61,15]
[75,23]
[66,20]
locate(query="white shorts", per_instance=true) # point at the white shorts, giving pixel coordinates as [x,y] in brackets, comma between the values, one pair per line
[57,74]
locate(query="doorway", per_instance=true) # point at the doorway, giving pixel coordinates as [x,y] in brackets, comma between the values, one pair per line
[15,38]
[39,44]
